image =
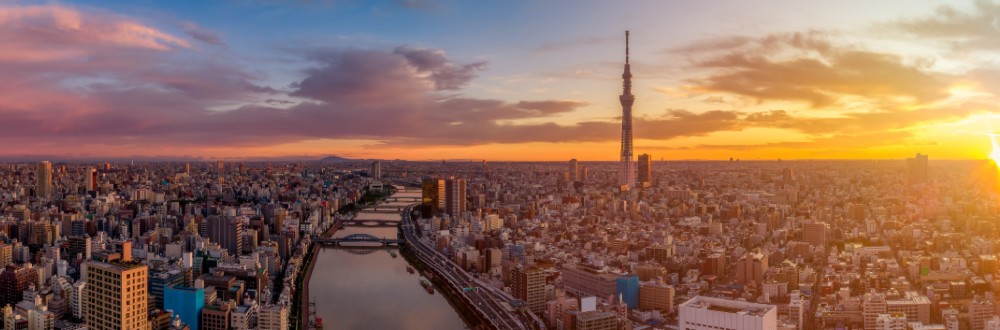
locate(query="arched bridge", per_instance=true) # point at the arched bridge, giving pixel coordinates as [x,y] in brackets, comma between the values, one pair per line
[369,223]
[383,209]
[358,238]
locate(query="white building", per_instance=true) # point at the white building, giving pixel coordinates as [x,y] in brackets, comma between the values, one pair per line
[893,321]
[76,300]
[273,317]
[707,313]
[245,317]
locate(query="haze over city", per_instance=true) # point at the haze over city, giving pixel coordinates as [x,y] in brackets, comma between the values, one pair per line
[517,80]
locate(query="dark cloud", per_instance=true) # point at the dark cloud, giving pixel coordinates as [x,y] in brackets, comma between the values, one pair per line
[445,74]
[278,102]
[197,33]
[374,76]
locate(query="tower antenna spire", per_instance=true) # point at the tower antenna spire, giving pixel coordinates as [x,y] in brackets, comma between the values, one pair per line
[627,173]
[626,46]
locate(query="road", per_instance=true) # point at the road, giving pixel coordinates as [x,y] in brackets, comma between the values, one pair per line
[485,300]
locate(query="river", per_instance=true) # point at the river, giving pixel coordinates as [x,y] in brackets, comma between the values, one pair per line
[368,288]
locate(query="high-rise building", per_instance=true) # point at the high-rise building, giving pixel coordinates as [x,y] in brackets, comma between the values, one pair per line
[980,310]
[788,175]
[185,302]
[433,194]
[574,170]
[273,317]
[916,168]
[874,303]
[244,317]
[216,316]
[529,285]
[707,313]
[751,267]
[916,306]
[14,280]
[455,197]
[658,296]
[220,168]
[626,168]
[6,255]
[79,247]
[645,173]
[90,179]
[117,296]
[40,318]
[627,288]
[78,300]
[814,233]
[376,170]
[43,180]
[227,231]
[159,281]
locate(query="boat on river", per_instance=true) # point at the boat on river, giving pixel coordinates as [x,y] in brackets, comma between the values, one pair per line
[427,285]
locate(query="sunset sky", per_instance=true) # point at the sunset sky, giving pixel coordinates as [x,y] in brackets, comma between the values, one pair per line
[498,80]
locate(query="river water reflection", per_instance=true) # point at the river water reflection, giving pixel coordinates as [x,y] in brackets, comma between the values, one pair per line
[368,288]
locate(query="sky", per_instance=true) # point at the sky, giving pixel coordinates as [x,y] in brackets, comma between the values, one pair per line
[498,80]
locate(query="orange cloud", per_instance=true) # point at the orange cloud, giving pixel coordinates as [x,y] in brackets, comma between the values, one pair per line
[809,67]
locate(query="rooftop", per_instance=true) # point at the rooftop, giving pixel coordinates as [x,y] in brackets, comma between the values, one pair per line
[728,306]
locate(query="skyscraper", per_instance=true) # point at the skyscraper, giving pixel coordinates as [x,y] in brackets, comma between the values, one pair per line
[574,170]
[645,175]
[917,169]
[376,170]
[116,296]
[455,197]
[43,180]
[433,194]
[529,285]
[227,231]
[627,177]
[90,179]
[159,281]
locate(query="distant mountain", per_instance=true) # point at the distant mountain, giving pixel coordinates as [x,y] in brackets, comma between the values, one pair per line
[335,159]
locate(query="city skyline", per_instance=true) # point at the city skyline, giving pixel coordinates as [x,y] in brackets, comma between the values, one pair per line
[758,81]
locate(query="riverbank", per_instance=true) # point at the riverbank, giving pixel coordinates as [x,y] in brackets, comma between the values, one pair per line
[301,314]
[468,315]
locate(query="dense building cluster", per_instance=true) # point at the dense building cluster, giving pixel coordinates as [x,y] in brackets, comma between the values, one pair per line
[728,245]
[692,245]
[162,245]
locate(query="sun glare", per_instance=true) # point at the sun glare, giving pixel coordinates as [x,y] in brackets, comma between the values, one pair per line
[995,154]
